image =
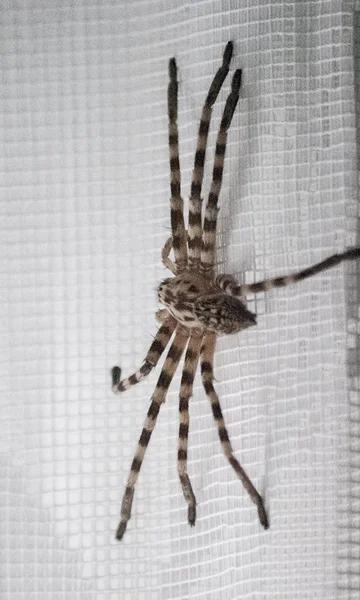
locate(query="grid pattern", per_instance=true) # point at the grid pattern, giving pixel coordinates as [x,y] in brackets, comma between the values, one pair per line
[85,212]
[348,541]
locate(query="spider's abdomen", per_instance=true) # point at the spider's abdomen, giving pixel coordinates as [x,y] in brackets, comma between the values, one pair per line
[223,314]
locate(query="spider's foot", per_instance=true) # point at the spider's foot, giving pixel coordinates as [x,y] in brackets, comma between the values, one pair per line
[262,515]
[228,52]
[172,69]
[121,530]
[115,377]
[192,514]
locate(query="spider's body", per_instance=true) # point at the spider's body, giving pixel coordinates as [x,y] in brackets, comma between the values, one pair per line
[198,306]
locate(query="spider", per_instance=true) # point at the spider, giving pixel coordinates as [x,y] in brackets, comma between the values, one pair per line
[199,305]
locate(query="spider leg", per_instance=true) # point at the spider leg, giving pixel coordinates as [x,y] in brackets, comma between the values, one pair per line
[207,374]
[167,262]
[228,284]
[162,386]
[186,388]
[176,202]
[155,351]
[195,201]
[211,211]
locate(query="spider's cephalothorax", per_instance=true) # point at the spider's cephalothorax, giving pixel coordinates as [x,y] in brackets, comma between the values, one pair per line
[198,305]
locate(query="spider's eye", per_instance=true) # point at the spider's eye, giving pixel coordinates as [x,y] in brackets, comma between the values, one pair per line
[163,284]
[223,314]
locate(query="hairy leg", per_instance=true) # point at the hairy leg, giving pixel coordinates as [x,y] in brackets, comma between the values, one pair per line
[155,351]
[179,241]
[162,386]
[207,374]
[195,228]
[167,262]
[229,285]
[211,211]
[186,388]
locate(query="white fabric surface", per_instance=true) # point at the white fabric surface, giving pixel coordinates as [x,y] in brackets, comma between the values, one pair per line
[85,213]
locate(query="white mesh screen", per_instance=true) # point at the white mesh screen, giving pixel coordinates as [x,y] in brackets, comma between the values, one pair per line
[85,213]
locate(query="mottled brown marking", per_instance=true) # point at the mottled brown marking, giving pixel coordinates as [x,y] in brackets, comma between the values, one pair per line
[183,404]
[195,243]
[136,465]
[217,174]
[173,139]
[182,454]
[216,410]
[187,377]
[194,219]
[279,281]
[204,127]
[177,242]
[164,380]
[176,219]
[175,189]
[208,386]
[145,437]
[174,163]
[157,347]
[153,410]
[183,430]
[213,198]
[206,367]
[220,149]
[223,434]
[209,224]
[200,157]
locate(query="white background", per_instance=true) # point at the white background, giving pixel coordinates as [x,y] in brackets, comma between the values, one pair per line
[85,212]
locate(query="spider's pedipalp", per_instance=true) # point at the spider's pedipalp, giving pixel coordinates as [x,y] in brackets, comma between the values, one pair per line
[167,262]
[229,285]
[195,201]
[161,315]
[210,221]
[207,374]
[179,242]
[186,389]
[171,362]
[152,358]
